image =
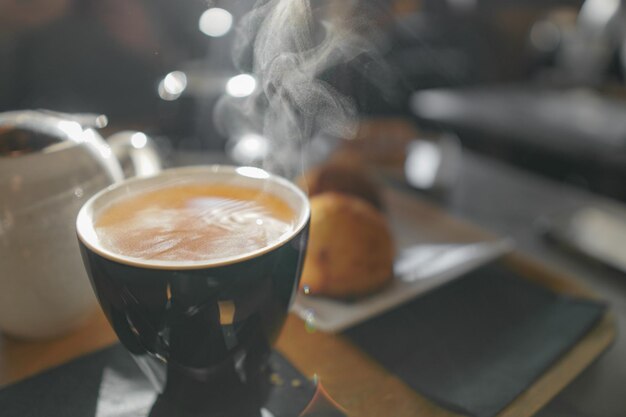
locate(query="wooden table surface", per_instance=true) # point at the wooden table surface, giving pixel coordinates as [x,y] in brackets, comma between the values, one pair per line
[353,379]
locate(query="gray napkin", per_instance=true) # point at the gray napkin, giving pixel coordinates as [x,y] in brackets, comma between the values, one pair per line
[109,384]
[475,344]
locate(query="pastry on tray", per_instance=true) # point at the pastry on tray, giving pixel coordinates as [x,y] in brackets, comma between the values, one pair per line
[350,252]
[379,142]
[345,179]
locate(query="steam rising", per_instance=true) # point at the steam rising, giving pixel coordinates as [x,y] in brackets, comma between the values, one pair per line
[288,45]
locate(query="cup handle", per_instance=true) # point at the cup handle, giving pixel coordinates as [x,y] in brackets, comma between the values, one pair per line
[137,148]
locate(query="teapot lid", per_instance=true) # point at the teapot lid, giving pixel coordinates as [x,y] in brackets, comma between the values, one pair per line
[30,131]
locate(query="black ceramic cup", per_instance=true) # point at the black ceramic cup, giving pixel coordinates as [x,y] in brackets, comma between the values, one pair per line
[201,331]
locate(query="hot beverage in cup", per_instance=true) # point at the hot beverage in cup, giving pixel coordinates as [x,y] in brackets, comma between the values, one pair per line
[194,222]
[195,269]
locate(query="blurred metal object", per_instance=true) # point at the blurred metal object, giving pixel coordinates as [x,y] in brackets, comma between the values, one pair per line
[574,135]
[433,165]
[587,54]
[564,120]
[594,231]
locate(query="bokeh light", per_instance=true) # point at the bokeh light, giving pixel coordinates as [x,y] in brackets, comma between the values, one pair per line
[215,22]
[241,85]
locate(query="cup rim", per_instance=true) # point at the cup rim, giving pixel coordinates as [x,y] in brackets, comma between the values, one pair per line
[84,219]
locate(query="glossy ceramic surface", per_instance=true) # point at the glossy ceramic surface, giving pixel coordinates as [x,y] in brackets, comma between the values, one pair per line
[43,288]
[202,331]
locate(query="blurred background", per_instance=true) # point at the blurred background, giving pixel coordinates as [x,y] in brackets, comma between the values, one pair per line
[519,108]
[539,84]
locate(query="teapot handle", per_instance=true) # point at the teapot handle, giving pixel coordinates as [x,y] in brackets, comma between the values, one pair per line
[137,148]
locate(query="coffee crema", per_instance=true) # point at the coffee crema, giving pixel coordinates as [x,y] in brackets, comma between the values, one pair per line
[194,222]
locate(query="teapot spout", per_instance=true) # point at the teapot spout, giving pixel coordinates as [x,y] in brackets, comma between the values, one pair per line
[95,120]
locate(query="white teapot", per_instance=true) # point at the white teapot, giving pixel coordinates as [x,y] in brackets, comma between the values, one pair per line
[50,164]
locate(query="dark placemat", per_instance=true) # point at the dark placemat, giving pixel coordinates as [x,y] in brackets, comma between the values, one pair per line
[475,344]
[108,383]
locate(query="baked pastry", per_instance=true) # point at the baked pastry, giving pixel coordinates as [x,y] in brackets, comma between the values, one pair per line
[345,179]
[350,252]
[379,142]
